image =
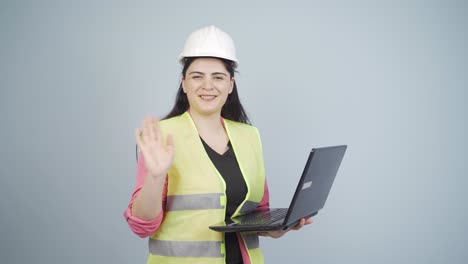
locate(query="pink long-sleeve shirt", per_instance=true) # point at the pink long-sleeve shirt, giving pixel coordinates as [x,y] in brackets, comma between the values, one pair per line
[145,228]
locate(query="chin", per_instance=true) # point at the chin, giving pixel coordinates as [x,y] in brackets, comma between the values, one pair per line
[208,111]
[206,108]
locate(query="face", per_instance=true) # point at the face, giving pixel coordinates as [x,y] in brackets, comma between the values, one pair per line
[207,84]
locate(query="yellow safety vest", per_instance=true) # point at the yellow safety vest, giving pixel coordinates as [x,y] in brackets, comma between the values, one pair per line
[196,195]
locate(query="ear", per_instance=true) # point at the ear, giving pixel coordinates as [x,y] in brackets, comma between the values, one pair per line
[232,85]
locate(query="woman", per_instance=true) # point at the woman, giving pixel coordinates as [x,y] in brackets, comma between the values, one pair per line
[200,165]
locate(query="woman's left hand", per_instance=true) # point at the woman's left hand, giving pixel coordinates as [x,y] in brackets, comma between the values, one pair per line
[280,233]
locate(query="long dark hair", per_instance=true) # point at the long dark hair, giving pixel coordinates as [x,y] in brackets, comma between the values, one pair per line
[231,110]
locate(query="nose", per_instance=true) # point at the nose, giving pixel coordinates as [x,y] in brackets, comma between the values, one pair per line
[208,84]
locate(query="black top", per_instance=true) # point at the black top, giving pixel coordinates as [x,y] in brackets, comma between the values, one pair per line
[236,190]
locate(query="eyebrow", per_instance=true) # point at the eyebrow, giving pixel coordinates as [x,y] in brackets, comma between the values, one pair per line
[214,73]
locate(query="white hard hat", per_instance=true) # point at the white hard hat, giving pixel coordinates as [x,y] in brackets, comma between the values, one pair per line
[209,42]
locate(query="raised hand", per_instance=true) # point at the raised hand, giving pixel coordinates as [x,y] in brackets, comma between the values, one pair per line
[158,155]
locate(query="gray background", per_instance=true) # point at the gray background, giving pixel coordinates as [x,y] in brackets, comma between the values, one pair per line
[389,79]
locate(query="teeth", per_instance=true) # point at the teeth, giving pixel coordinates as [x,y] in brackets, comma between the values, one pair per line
[207,97]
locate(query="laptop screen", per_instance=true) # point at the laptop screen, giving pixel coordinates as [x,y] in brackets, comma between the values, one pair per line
[316,182]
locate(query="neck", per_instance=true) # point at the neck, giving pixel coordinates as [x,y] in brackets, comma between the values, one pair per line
[207,123]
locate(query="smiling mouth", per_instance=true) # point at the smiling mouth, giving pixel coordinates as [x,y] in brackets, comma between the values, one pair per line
[207,97]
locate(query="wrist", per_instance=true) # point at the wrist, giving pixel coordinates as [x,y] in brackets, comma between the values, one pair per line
[155,178]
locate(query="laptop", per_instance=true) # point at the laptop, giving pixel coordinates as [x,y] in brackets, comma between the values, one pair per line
[310,196]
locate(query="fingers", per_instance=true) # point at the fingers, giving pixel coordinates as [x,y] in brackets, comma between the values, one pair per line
[150,131]
[300,224]
[276,234]
[150,126]
[144,131]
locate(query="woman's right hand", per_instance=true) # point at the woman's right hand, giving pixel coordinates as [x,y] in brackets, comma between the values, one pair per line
[157,154]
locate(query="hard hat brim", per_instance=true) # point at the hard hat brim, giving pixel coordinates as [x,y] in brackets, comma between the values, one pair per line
[207,54]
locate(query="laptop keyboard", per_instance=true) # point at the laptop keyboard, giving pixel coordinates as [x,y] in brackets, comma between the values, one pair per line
[265,218]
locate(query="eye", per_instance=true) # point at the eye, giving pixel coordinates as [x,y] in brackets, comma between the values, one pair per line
[219,78]
[196,77]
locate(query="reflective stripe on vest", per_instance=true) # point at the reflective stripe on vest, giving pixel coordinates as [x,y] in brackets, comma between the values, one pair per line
[197,249]
[195,201]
